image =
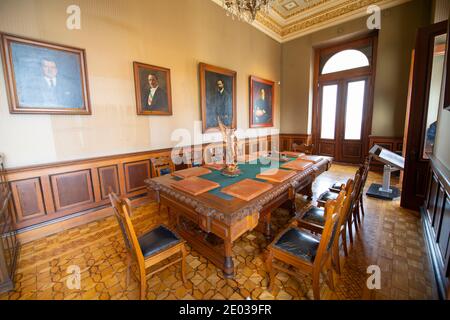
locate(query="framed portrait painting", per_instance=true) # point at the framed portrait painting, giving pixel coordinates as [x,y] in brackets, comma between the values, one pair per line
[261,102]
[46,78]
[217,97]
[153,90]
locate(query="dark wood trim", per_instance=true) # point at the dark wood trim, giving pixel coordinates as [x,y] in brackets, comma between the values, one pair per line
[288,139]
[435,214]
[270,83]
[447,72]
[203,67]
[416,167]
[441,171]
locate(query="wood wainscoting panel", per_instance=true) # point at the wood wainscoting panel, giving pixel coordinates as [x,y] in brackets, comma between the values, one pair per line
[28,199]
[394,144]
[47,196]
[109,179]
[326,148]
[287,140]
[72,189]
[351,150]
[135,174]
[444,235]
[436,223]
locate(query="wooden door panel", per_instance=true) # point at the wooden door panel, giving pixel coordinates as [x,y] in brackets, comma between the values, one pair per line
[327,148]
[416,167]
[433,198]
[351,152]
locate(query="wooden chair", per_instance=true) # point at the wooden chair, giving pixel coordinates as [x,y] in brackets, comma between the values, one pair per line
[299,249]
[359,206]
[149,249]
[161,166]
[328,195]
[313,219]
[305,148]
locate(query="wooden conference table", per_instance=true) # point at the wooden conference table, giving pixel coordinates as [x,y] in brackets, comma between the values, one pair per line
[212,221]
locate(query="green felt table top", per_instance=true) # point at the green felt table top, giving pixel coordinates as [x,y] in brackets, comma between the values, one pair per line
[248,171]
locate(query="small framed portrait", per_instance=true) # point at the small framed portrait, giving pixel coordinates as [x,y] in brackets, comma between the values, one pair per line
[153,90]
[261,102]
[217,97]
[46,78]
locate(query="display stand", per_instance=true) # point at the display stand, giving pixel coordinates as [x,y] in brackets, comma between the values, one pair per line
[392,162]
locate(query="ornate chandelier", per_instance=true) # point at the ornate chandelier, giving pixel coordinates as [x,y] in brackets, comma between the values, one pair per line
[246,10]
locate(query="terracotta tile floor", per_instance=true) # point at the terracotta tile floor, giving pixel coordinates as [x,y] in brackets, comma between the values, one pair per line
[391,238]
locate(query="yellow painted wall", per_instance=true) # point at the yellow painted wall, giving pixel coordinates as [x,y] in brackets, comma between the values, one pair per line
[395,43]
[177,34]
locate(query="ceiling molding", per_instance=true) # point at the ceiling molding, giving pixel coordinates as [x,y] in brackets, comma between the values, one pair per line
[307,17]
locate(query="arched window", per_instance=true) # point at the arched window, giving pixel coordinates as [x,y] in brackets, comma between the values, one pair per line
[345,60]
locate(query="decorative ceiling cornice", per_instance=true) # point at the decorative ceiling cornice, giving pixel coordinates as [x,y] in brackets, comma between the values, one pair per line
[313,16]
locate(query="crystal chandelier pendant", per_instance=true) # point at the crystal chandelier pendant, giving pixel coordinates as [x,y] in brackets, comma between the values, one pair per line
[246,10]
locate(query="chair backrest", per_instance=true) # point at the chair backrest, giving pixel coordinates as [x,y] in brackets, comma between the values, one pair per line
[349,202]
[333,211]
[122,210]
[196,158]
[364,173]
[161,166]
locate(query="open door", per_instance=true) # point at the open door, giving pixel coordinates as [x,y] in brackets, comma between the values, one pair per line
[424,102]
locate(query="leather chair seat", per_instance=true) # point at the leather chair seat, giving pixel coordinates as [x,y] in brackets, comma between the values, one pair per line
[299,244]
[164,171]
[328,195]
[157,240]
[315,215]
[336,187]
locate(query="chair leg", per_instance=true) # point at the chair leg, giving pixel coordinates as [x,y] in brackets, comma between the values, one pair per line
[143,286]
[344,240]
[183,263]
[355,217]
[336,258]
[362,206]
[330,279]
[270,271]
[350,229]
[358,214]
[128,269]
[316,285]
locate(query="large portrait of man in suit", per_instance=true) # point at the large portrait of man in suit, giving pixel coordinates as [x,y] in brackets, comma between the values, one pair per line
[153,90]
[45,78]
[218,97]
[261,102]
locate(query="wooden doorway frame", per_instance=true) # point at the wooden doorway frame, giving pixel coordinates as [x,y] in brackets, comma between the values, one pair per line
[370,72]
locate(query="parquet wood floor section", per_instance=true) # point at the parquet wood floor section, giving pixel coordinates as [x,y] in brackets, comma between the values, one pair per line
[390,237]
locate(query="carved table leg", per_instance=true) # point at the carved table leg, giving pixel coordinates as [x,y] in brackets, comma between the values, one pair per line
[309,192]
[268,226]
[228,263]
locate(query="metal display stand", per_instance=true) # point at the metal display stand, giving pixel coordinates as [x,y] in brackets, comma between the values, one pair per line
[393,162]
